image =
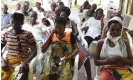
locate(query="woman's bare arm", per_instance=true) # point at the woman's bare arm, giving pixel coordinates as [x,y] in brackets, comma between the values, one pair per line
[129,59]
[75,50]
[74,53]
[46,45]
[33,53]
[74,27]
[97,60]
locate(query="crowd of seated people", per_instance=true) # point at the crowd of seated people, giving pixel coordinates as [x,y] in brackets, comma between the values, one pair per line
[32,32]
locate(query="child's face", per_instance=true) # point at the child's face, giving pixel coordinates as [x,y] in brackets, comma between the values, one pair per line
[33,18]
[60,28]
[44,22]
[99,14]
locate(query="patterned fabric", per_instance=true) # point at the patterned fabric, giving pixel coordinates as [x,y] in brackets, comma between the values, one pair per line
[16,55]
[60,48]
[115,73]
[51,15]
[10,38]
[12,63]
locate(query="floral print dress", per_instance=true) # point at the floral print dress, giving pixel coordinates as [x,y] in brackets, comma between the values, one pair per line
[60,48]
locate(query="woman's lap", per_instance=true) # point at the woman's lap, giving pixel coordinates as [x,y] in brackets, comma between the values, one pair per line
[63,72]
[113,74]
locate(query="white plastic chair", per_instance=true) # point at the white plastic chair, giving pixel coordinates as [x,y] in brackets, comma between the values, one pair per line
[75,76]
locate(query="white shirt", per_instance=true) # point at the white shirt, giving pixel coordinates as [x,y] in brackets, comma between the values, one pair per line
[114,51]
[94,27]
[37,31]
[39,14]
[68,27]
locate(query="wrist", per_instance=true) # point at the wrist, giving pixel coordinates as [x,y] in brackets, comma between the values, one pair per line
[70,56]
[120,59]
[106,62]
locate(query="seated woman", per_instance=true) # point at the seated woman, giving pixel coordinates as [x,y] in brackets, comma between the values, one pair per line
[64,48]
[93,27]
[125,34]
[114,54]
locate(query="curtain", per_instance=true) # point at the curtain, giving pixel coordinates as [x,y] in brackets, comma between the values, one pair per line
[131,9]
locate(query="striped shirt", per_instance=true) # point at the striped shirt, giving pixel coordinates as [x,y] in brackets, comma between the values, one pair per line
[13,44]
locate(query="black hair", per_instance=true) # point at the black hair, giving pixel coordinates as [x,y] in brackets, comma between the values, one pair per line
[86,4]
[99,9]
[5,6]
[94,6]
[18,17]
[46,20]
[32,12]
[61,3]
[60,20]
[18,4]
[113,21]
[66,10]
[27,2]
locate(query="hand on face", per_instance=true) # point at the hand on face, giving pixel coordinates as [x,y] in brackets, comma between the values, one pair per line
[60,28]
[102,17]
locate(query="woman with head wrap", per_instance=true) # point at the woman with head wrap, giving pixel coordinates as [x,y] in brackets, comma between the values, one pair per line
[114,54]
[64,49]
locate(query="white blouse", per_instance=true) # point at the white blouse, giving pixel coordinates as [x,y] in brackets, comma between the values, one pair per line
[37,30]
[94,27]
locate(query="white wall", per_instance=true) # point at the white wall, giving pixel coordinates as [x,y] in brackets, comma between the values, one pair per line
[130,27]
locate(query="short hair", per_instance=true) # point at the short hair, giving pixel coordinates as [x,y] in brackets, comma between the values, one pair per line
[4,6]
[99,9]
[94,5]
[85,4]
[113,21]
[32,12]
[61,3]
[27,2]
[60,20]
[53,4]
[18,3]
[46,20]
[66,10]
[18,17]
